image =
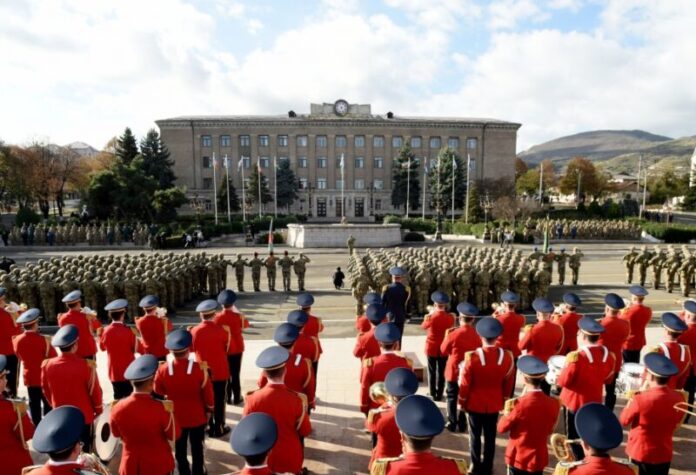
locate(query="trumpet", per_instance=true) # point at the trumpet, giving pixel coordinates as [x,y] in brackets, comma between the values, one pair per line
[378,393]
[686,408]
[560,445]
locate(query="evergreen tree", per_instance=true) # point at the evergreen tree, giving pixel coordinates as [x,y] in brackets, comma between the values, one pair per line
[400,177]
[252,189]
[222,197]
[287,184]
[126,147]
[475,210]
[441,176]
[156,161]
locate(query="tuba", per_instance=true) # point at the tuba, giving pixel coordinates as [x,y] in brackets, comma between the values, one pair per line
[378,393]
[560,445]
[686,408]
[92,465]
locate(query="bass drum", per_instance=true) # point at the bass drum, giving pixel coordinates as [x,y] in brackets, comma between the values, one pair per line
[105,444]
[630,378]
[556,364]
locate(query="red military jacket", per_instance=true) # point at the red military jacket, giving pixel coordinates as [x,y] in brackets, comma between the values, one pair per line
[15,430]
[375,370]
[487,378]
[120,344]
[530,419]
[569,322]
[68,380]
[262,470]
[184,382]
[457,342]
[8,329]
[47,469]
[584,375]
[615,335]
[542,340]
[298,376]
[153,333]
[146,427]
[312,328]
[595,465]
[307,346]
[362,324]
[653,420]
[289,411]
[681,357]
[688,338]
[87,326]
[235,323]
[210,342]
[512,324]
[32,349]
[638,316]
[366,345]
[382,423]
[418,463]
[437,324]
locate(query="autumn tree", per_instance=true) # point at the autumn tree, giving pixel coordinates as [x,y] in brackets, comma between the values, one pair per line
[583,172]
[520,167]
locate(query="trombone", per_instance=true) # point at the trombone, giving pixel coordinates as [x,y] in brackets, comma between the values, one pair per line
[686,408]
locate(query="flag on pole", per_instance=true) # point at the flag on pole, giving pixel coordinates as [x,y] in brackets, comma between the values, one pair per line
[454,163]
[258,164]
[216,163]
[241,163]
[341,164]
[425,165]
[270,236]
[226,163]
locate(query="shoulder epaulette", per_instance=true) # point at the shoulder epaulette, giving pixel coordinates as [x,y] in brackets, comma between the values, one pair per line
[528,327]
[449,330]
[167,403]
[631,394]
[379,466]
[468,355]
[28,470]
[203,365]
[510,405]
[462,466]
[91,363]
[564,468]
[367,362]
[628,463]
[655,349]
[19,406]
[572,357]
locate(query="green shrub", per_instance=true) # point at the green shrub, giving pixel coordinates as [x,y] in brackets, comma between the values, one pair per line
[414,237]
[412,224]
[27,216]
[670,233]
[263,238]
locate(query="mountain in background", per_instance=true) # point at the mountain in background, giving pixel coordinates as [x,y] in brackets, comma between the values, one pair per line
[82,149]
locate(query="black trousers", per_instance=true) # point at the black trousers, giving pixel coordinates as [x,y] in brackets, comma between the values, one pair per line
[234,388]
[195,436]
[631,356]
[514,378]
[481,424]
[400,326]
[516,471]
[652,468]
[690,387]
[87,438]
[610,396]
[36,400]
[455,418]
[572,434]
[436,376]
[122,389]
[12,367]
[217,420]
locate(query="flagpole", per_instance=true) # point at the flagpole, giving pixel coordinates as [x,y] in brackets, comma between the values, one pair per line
[227,175]
[454,180]
[343,187]
[258,173]
[215,189]
[408,184]
[241,165]
[425,183]
[468,172]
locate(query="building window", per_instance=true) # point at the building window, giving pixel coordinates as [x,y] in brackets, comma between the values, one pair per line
[359,162]
[225,141]
[341,141]
[301,140]
[302,162]
[207,183]
[359,184]
[339,184]
[247,162]
[379,184]
[321,141]
[435,142]
[471,143]
[321,183]
[244,141]
[321,207]
[207,162]
[303,183]
[378,205]
[472,166]
[379,162]
[206,141]
[397,141]
[265,162]
[453,143]
[263,140]
[321,162]
[208,205]
[282,159]
[378,141]
[282,141]
[415,142]
[360,141]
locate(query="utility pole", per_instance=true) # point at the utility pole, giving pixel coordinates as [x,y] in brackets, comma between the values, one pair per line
[579,181]
[468,171]
[541,184]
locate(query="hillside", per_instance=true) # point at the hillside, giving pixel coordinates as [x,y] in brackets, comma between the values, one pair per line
[675,154]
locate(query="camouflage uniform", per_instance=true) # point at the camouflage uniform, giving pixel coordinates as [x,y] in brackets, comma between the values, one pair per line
[238,266]
[286,264]
[256,264]
[270,263]
[300,267]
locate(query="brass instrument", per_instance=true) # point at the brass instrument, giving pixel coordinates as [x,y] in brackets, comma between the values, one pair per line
[378,393]
[92,464]
[686,408]
[560,445]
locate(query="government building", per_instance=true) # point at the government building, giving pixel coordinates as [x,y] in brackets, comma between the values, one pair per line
[314,144]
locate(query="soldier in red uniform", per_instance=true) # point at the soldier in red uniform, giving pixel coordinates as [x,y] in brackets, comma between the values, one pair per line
[287,408]
[437,323]
[235,323]
[68,380]
[419,421]
[530,419]
[87,324]
[652,417]
[253,438]
[400,382]
[600,432]
[313,327]
[569,321]
[211,342]
[366,346]
[583,377]
[8,329]
[617,331]
[153,328]
[145,425]
[307,346]
[689,338]
[376,369]
[638,315]
[32,348]
[675,351]
[544,339]
[486,378]
[186,384]
[362,323]
[457,342]
[512,325]
[120,344]
[15,429]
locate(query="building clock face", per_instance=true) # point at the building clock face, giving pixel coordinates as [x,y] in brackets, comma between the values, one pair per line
[341,107]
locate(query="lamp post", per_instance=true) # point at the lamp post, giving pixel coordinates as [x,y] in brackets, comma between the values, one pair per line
[487,206]
[438,220]
[579,172]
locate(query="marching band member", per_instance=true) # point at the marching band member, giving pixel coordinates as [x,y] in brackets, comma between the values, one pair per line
[253,439]
[235,323]
[395,298]
[544,339]
[313,327]
[58,435]
[512,323]
[120,344]
[15,429]
[689,338]
[675,351]
[437,323]
[569,321]
[8,330]
[366,346]
[638,315]
[153,328]
[306,345]
[362,322]
[86,324]
[617,331]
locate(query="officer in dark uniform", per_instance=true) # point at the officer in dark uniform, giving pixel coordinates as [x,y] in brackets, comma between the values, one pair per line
[254,436]
[395,298]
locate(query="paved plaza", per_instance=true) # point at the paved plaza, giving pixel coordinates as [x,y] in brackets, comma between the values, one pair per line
[338,444]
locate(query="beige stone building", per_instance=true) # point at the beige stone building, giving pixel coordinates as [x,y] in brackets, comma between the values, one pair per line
[314,144]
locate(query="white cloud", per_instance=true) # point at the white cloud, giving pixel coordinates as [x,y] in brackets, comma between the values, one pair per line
[572,5]
[507,14]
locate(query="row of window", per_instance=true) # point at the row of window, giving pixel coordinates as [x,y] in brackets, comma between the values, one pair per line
[341,141]
[358,184]
[302,162]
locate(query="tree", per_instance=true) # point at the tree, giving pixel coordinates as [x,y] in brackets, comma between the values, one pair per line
[103,193]
[166,201]
[126,147]
[442,174]
[287,184]
[404,181]
[580,168]
[520,167]
[528,183]
[667,185]
[252,188]
[222,197]
[549,177]
[156,161]
[475,210]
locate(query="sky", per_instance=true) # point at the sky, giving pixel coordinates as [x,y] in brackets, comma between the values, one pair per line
[83,70]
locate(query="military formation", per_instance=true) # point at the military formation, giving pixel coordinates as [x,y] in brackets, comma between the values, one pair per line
[176,278]
[74,234]
[464,273]
[589,229]
[669,268]
[288,265]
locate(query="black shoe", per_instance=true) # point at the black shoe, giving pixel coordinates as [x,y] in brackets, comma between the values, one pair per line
[229,401]
[221,432]
[238,401]
[451,427]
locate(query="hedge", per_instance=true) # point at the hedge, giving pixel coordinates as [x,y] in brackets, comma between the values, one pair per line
[412,224]
[263,238]
[670,233]
[412,236]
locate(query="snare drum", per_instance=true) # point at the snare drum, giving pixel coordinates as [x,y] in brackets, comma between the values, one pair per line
[630,378]
[556,364]
[105,444]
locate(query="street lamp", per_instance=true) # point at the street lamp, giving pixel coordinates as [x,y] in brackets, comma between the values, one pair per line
[487,206]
